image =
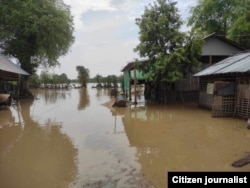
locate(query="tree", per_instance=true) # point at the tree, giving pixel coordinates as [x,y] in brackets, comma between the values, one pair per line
[34,81]
[170,53]
[113,80]
[98,78]
[83,75]
[229,18]
[35,32]
[240,29]
[59,80]
[45,78]
[108,81]
[64,78]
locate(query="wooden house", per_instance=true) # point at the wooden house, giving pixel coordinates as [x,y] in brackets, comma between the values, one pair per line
[214,49]
[225,86]
[217,48]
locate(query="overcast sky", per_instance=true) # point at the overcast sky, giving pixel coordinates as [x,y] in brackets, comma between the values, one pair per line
[106,34]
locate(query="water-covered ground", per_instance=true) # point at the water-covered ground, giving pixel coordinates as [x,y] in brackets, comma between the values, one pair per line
[68,139]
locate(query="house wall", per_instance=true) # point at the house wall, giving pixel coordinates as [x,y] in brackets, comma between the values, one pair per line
[242,107]
[216,47]
[208,60]
[211,100]
[7,76]
[126,80]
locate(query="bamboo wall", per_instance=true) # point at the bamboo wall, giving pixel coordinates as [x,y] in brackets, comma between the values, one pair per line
[242,108]
[223,106]
[225,103]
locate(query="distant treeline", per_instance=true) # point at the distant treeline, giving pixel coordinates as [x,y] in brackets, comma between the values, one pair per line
[45,78]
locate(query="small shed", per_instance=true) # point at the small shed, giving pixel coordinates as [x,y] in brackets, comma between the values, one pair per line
[9,72]
[224,87]
[131,76]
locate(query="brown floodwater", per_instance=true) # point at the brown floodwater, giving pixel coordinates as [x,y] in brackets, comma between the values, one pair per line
[68,139]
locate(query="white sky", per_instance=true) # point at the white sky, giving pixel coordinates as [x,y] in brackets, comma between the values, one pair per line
[106,34]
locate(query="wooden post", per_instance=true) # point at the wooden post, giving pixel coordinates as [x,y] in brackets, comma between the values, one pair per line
[18,86]
[129,92]
[210,59]
[135,85]
[130,96]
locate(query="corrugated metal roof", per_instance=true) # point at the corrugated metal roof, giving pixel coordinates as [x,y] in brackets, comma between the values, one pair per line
[8,66]
[239,63]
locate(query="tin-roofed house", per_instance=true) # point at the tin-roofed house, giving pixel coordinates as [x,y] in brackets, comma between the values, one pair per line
[215,49]
[225,86]
[9,73]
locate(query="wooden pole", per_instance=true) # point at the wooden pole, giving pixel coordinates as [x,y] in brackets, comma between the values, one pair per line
[210,59]
[18,87]
[135,85]
[129,92]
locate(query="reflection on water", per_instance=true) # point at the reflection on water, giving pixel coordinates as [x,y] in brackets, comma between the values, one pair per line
[52,96]
[184,138]
[35,155]
[66,138]
[83,99]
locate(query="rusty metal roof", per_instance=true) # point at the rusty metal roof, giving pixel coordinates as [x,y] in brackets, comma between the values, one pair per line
[239,63]
[8,66]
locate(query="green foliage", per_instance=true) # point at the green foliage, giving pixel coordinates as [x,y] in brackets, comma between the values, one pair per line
[45,78]
[159,26]
[225,17]
[36,32]
[171,54]
[112,79]
[48,78]
[98,79]
[212,16]
[240,29]
[107,81]
[64,78]
[34,81]
[59,79]
[83,75]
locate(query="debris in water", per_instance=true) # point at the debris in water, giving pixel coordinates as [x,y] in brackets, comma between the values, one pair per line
[242,162]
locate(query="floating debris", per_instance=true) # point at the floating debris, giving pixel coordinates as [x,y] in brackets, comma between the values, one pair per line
[242,162]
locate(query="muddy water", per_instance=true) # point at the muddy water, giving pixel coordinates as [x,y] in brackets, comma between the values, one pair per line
[68,139]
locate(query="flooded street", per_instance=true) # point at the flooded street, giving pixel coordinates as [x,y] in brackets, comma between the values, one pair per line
[68,139]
